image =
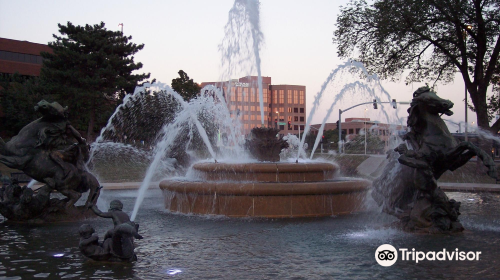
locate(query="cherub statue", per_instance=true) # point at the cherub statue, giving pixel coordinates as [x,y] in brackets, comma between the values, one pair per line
[118,242]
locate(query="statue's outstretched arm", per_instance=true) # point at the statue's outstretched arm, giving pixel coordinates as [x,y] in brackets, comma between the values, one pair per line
[101,214]
[76,134]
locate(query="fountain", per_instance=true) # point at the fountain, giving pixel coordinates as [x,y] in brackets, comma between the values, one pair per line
[266,188]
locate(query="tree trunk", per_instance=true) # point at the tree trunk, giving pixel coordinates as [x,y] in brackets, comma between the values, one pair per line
[90,130]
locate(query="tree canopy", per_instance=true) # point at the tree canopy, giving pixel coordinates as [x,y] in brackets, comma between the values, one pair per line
[185,86]
[431,39]
[90,70]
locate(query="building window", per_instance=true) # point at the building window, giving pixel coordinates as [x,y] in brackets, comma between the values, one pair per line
[295,97]
[245,95]
[301,119]
[301,110]
[245,108]
[357,130]
[301,97]
[289,96]
[252,95]
[295,127]
[239,94]
[302,127]
[289,118]
[252,117]
[295,110]
[282,110]
[282,127]
[233,107]
[275,97]
[258,117]
[296,119]
[351,131]
[245,117]
[246,126]
[264,95]
[252,108]
[233,96]
[282,96]
[289,109]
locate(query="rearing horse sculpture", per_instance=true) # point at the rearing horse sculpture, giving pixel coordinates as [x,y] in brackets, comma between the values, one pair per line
[408,187]
[35,151]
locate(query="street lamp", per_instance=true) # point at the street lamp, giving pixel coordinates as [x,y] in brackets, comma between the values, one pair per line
[277,120]
[365,129]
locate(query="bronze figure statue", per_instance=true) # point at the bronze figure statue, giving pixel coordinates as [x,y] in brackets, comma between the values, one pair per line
[41,151]
[408,187]
[118,244]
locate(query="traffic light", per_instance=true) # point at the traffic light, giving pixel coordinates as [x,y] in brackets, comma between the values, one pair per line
[394,104]
[374,103]
[289,125]
[276,122]
[337,124]
[322,139]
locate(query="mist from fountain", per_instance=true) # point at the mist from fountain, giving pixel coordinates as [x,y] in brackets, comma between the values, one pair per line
[243,26]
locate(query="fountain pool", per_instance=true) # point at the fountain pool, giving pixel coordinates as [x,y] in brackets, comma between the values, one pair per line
[215,247]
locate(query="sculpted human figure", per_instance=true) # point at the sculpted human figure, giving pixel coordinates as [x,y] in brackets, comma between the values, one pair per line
[90,246]
[36,150]
[120,238]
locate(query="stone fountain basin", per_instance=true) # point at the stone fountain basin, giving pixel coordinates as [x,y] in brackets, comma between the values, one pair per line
[270,190]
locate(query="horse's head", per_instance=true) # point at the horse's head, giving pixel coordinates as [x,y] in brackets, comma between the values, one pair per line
[51,110]
[426,100]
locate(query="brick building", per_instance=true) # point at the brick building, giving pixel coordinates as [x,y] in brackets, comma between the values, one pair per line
[22,57]
[284,105]
[354,126]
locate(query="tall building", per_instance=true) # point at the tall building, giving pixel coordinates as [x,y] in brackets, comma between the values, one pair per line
[22,57]
[284,105]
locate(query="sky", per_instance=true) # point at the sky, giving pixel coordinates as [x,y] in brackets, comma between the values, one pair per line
[297,49]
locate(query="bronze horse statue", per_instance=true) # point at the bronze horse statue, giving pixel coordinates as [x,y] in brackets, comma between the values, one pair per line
[408,187]
[35,151]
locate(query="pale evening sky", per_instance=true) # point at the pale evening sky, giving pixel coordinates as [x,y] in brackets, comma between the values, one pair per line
[185,35]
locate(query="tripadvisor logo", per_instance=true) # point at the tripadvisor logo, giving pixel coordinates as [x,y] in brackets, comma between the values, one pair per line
[387,255]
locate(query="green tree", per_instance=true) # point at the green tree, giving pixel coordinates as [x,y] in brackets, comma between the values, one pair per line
[90,70]
[19,95]
[430,38]
[185,86]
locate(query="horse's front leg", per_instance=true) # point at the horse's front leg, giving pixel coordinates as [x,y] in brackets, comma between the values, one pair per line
[73,196]
[464,151]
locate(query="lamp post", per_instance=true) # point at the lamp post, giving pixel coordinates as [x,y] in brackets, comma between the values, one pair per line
[365,129]
[278,120]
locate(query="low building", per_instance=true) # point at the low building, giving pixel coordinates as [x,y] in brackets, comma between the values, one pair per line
[21,57]
[356,126]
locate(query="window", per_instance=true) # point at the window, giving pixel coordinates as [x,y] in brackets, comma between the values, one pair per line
[258,117]
[351,131]
[264,95]
[252,108]
[245,95]
[239,94]
[275,97]
[252,117]
[246,126]
[295,119]
[289,96]
[295,97]
[301,97]
[282,96]
[302,110]
[245,117]
[289,118]
[301,119]
[289,110]
[282,110]
[295,110]
[252,95]
[357,130]
[295,127]
[245,108]
[302,127]
[282,127]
